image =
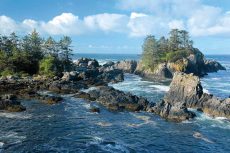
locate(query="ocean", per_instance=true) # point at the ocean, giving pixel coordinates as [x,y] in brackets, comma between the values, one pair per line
[71,127]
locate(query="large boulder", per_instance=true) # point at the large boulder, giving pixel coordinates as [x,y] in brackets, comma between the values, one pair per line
[10,103]
[213,66]
[159,73]
[86,63]
[65,87]
[186,92]
[126,66]
[117,100]
[185,88]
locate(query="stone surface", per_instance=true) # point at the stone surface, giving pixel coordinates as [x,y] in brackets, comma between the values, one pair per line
[117,100]
[186,92]
[10,103]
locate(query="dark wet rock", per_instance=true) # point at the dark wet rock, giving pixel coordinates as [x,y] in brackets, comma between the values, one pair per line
[159,73]
[213,66]
[87,63]
[51,99]
[70,76]
[176,112]
[184,88]
[113,76]
[194,63]
[108,64]
[186,92]
[10,103]
[126,66]
[94,109]
[84,95]
[117,100]
[66,87]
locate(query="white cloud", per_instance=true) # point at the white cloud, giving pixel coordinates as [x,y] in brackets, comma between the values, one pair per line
[209,21]
[66,23]
[177,24]
[7,25]
[142,24]
[191,15]
[155,17]
[107,22]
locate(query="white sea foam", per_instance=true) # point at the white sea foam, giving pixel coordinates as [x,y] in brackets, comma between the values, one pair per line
[98,139]
[89,89]
[16,115]
[104,124]
[1,144]
[115,148]
[198,135]
[220,122]
[87,106]
[144,118]
[161,87]
[206,91]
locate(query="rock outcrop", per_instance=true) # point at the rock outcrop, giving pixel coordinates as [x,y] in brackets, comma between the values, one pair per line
[159,73]
[10,103]
[126,66]
[116,100]
[194,63]
[213,66]
[186,92]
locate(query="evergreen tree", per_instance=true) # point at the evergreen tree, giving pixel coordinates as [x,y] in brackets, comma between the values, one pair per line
[174,40]
[66,52]
[150,55]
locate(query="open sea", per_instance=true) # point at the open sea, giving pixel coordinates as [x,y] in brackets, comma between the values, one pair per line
[71,127]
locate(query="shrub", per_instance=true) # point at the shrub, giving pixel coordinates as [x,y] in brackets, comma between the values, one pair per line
[47,66]
[7,72]
[174,56]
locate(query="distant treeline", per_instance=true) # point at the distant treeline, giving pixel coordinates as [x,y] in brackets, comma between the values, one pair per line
[32,54]
[171,49]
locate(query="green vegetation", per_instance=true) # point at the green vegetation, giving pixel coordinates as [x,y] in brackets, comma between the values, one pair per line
[171,49]
[32,54]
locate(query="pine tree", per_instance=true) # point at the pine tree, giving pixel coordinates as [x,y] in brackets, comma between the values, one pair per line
[66,52]
[150,55]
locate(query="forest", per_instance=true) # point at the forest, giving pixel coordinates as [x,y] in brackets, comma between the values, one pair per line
[175,47]
[32,54]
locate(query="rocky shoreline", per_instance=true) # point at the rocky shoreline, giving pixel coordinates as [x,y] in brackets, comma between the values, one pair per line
[185,91]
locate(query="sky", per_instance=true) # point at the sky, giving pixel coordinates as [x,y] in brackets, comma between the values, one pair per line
[120,26]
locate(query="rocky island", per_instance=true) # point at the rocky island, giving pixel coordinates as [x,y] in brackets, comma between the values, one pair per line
[56,73]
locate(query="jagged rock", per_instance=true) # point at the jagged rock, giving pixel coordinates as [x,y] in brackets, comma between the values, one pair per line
[213,66]
[66,87]
[87,63]
[117,100]
[84,95]
[126,66]
[159,73]
[174,112]
[70,76]
[186,92]
[108,64]
[194,63]
[9,102]
[51,99]
[95,109]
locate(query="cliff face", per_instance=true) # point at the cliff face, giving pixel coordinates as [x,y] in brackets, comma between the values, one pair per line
[195,63]
[186,92]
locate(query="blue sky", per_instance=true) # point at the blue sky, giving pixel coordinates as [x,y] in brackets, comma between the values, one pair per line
[119,26]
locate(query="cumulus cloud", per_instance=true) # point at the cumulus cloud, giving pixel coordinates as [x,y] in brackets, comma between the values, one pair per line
[146,17]
[7,25]
[177,24]
[142,24]
[107,22]
[66,23]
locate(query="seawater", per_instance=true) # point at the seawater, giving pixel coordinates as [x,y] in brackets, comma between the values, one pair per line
[70,127]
